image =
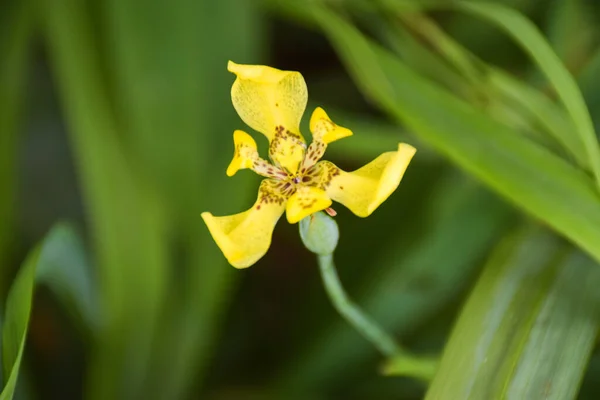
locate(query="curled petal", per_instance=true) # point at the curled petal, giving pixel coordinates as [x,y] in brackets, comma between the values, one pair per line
[244,154]
[268,99]
[324,129]
[245,237]
[363,190]
[306,201]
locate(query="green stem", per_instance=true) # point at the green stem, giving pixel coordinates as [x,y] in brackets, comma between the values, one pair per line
[352,313]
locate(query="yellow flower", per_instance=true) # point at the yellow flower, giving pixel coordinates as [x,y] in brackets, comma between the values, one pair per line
[272,102]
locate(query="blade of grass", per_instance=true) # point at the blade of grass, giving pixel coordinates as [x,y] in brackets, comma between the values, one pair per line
[534,179]
[492,86]
[180,119]
[15,34]
[54,262]
[126,217]
[529,326]
[528,36]
[67,272]
[14,329]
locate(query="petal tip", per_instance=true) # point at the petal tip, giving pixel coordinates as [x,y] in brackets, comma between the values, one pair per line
[232,67]
[245,151]
[323,128]
[292,219]
[392,175]
[240,264]
[233,168]
[406,149]
[316,116]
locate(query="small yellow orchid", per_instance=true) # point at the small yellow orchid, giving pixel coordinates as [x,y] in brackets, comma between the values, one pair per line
[272,102]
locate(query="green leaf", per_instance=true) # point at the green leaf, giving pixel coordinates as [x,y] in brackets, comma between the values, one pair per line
[528,36]
[529,326]
[150,122]
[502,95]
[66,271]
[125,213]
[16,28]
[543,111]
[537,181]
[60,263]
[172,88]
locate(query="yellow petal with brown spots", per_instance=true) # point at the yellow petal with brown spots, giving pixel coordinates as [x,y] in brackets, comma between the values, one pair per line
[324,129]
[245,237]
[244,153]
[306,201]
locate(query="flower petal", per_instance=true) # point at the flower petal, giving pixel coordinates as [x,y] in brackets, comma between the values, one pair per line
[306,201]
[245,155]
[245,237]
[266,98]
[324,129]
[363,190]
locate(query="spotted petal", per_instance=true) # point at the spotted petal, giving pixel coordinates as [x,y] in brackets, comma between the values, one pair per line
[324,129]
[245,237]
[266,98]
[363,190]
[245,152]
[306,201]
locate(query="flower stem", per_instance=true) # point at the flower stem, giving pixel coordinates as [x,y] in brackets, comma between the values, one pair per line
[352,313]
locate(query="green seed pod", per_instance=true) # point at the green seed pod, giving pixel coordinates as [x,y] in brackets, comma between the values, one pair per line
[319,233]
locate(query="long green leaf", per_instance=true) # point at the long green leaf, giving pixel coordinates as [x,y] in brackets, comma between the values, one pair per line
[501,92]
[528,36]
[15,34]
[537,181]
[58,262]
[172,90]
[528,328]
[126,217]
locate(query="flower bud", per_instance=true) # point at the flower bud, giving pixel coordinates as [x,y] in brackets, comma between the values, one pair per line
[319,233]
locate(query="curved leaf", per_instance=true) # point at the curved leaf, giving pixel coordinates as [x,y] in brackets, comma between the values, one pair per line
[529,37]
[529,326]
[60,263]
[537,181]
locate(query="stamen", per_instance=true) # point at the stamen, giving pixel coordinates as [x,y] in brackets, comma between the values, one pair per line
[313,154]
[266,169]
[331,212]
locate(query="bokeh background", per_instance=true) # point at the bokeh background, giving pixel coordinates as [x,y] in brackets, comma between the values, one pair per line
[115,132]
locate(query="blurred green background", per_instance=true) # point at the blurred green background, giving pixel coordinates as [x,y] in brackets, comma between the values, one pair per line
[115,132]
